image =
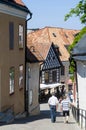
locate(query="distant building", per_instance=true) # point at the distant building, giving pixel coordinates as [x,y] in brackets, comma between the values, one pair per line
[61,38]
[46,71]
[33,80]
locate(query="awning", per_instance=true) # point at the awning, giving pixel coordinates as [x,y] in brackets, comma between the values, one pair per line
[46,86]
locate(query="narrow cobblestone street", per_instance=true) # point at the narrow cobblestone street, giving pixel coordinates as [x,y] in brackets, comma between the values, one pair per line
[42,122]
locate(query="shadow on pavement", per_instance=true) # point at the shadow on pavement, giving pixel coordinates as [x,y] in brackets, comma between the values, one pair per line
[43,114]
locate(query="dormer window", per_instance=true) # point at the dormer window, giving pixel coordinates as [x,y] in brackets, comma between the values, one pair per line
[54,34]
[32,49]
[66,35]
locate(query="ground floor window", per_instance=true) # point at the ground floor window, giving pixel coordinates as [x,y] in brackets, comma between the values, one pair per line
[46,77]
[54,76]
[11,80]
[21,76]
[50,76]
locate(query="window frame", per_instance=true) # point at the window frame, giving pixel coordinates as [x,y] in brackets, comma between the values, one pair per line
[63,70]
[46,76]
[21,36]
[54,76]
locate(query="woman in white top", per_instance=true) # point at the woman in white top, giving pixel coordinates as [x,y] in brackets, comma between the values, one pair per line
[65,108]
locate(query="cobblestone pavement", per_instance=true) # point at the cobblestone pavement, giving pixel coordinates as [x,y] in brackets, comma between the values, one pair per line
[42,122]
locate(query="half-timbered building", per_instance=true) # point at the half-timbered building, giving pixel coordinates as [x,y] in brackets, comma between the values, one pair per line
[61,38]
[50,68]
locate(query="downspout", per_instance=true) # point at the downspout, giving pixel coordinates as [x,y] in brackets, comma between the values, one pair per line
[25,94]
[77,92]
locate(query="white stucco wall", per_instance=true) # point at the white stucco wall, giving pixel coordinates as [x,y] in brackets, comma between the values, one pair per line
[81,78]
[33,89]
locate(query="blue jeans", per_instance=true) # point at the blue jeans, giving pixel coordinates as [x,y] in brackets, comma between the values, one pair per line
[53,113]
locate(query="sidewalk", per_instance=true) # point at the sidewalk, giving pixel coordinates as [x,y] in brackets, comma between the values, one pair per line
[42,122]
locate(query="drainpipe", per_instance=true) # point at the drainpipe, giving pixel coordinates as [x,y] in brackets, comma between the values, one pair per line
[77,92]
[25,94]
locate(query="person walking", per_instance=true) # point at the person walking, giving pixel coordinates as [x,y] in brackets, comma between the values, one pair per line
[53,104]
[65,105]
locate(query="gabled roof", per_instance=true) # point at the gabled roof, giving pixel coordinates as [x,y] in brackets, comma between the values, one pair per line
[42,48]
[59,36]
[33,56]
[52,60]
[44,52]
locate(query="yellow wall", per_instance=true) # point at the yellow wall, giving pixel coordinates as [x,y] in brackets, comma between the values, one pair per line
[9,58]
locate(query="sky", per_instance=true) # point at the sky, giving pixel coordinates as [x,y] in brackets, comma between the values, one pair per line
[51,13]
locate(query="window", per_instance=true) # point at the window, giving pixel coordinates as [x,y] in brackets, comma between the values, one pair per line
[54,34]
[21,31]
[20,76]
[62,70]
[11,35]
[54,76]
[11,80]
[46,77]
[30,97]
[66,35]
[29,72]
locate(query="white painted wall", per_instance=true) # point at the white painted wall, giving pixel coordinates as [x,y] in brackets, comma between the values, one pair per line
[81,76]
[33,87]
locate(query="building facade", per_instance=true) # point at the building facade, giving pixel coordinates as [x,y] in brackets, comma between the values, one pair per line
[79,55]
[61,38]
[33,80]
[12,55]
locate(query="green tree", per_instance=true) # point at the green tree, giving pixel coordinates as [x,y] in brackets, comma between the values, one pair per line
[76,40]
[79,10]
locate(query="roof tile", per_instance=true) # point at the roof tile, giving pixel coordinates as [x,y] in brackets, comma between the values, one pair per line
[19,2]
[47,35]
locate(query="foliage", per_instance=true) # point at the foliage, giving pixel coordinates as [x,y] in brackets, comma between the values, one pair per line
[79,10]
[76,40]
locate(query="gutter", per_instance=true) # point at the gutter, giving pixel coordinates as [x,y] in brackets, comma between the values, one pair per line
[15,5]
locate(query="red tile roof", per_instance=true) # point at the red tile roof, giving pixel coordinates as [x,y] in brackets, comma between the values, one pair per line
[33,56]
[47,35]
[19,2]
[40,48]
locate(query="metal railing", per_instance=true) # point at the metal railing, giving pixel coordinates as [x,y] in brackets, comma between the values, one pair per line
[80,116]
